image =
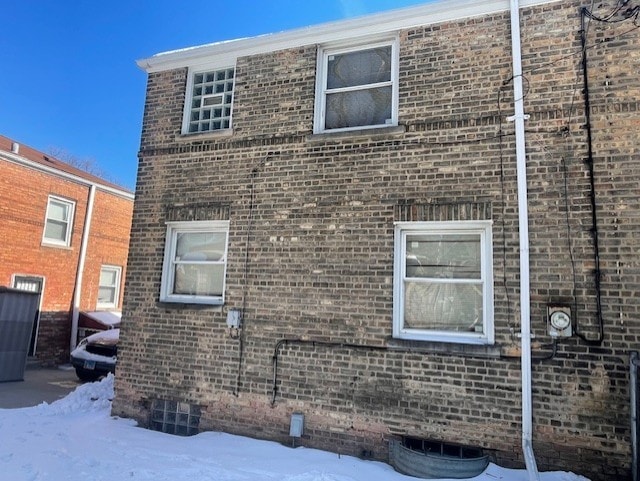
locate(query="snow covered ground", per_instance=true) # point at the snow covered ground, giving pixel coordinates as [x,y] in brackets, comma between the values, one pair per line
[76,438]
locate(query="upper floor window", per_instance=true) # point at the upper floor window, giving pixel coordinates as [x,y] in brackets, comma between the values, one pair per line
[109,287]
[195,261]
[443,282]
[209,101]
[357,87]
[58,222]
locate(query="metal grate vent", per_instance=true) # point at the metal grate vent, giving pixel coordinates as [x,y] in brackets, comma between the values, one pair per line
[173,417]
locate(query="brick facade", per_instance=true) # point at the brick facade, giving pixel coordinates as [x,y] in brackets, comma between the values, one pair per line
[24,193]
[310,255]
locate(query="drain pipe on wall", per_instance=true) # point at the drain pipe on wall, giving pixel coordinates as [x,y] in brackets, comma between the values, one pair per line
[77,291]
[523,223]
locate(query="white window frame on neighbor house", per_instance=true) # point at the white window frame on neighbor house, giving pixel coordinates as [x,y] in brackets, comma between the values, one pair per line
[68,222]
[114,287]
[480,333]
[172,262]
[215,100]
[327,53]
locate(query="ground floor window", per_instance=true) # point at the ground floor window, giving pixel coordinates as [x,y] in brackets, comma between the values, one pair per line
[443,282]
[109,288]
[195,262]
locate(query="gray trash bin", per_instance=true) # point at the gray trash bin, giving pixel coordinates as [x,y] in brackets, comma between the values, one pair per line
[17,313]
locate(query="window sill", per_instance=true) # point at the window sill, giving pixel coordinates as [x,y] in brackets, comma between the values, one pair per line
[217,307]
[453,349]
[56,246]
[349,134]
[214,134]
[106,307]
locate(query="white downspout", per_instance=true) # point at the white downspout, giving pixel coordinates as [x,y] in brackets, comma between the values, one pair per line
[523,222]
[77,292]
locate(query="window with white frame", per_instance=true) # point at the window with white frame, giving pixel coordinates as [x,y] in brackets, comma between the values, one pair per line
[443,281]
[357,87]
[209,101]
[58,222]
[195,261]
[109,287]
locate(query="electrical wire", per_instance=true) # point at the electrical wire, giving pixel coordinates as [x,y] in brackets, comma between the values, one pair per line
[242,335]
[502,217]
[631,12]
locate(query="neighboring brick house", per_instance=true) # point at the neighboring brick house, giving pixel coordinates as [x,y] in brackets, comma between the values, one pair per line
[51,245]
[349,195]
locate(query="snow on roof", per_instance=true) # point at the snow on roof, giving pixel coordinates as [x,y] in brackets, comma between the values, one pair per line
[109,318]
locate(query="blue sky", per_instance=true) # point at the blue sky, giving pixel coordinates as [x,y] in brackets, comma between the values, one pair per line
[69,81]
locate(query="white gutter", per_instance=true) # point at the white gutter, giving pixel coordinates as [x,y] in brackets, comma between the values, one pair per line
[523,223]
[77,292]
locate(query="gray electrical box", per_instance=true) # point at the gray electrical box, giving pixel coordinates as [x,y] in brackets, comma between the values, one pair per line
[234,318]
[296,428]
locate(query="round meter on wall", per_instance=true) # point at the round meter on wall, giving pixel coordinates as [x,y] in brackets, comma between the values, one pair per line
[559,321]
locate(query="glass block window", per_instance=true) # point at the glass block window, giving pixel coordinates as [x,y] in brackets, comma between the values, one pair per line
[58,222]
[210,101]
[358,88]
[443,281]
[173,417]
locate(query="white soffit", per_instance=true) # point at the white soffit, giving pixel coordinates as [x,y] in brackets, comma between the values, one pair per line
[225,53]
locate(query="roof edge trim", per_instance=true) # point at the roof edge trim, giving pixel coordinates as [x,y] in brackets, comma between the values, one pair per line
[225,52]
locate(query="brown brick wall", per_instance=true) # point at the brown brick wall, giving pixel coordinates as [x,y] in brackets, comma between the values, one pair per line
[23,202]
[320,249]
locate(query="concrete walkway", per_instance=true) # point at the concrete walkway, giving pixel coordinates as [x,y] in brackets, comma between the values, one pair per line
[39,385]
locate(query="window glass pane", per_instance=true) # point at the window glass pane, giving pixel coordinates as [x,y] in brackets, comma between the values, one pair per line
[443,306]
[358,108]
[199,279]
[443,256]
[359,68]
[215,100]
[108,277]
[106,295]
[56,230]
[58,211]
[200,246]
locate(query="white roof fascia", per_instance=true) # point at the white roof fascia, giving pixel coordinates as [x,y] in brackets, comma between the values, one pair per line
[225,53]
[17,159]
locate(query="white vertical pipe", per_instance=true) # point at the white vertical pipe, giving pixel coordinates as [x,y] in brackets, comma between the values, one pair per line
[633,387]
[77,292]
[523,223]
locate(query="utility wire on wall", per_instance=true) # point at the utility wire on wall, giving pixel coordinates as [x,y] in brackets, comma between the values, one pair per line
[245,275]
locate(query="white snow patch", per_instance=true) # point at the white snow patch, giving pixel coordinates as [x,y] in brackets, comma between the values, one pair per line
[76,439]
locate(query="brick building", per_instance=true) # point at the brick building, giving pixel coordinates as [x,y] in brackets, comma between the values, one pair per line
[63,231]
[339,221]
